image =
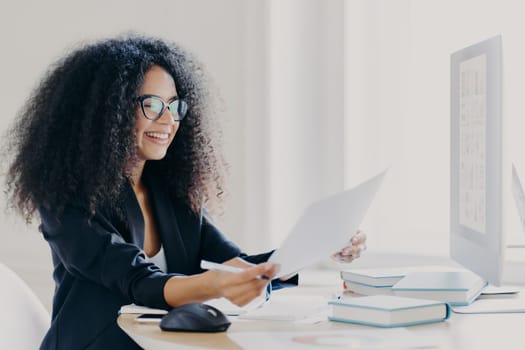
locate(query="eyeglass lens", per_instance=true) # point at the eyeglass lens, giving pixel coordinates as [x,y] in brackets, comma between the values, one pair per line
[153,107]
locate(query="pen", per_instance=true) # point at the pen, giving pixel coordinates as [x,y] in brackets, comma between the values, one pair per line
[208,265]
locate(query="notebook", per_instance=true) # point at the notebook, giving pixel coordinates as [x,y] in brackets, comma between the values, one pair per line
[365,289]
[453,287]
[374,277]
[388,311]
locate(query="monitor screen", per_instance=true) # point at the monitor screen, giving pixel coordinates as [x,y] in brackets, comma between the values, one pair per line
[476,239]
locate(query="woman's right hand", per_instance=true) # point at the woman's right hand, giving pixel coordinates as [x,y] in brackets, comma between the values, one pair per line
[242,287]
[238,287]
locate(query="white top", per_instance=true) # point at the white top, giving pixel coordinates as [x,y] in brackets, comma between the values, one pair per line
[159,259]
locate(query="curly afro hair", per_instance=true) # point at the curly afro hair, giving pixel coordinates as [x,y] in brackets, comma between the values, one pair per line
[74,139]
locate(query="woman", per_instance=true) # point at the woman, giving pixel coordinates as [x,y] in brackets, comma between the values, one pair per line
[116,152]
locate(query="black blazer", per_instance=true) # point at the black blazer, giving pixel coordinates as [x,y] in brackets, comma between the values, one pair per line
[99,265]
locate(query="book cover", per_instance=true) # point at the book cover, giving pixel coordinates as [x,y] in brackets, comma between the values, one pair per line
[365,289]
[388,311]
[386,277]
[453,287]
[376,277]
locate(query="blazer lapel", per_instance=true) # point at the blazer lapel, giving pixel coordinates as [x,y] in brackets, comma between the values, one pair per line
[134,216]
[169,230]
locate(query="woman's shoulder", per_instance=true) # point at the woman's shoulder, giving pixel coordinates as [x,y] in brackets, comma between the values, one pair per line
[76,213]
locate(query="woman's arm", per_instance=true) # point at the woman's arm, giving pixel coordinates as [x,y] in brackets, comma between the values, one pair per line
[94,250]
[240,288]
[215,247]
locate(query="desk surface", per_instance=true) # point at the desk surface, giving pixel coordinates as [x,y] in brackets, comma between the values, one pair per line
[459,332]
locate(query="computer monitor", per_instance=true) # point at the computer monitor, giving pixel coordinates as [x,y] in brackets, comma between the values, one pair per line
[476,237]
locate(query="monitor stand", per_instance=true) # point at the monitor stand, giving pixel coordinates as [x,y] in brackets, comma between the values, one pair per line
[514,265]
[510,296]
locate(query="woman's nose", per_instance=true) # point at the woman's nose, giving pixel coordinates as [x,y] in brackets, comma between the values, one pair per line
[166,117]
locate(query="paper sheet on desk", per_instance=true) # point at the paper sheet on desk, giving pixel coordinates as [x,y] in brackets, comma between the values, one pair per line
[230,309]
[325,227]
[137,309]
[294,308]
[495,305]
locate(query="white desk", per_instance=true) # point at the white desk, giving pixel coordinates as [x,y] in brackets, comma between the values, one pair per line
[460,332]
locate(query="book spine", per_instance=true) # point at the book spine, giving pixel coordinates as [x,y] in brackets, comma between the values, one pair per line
[384,325]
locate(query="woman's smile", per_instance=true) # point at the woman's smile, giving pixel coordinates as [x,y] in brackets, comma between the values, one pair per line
[161,138]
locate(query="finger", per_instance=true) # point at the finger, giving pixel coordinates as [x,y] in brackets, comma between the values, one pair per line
[242,294]
[271,272]
[348,250]
[346,259]
[238,262]
[340,255]
[358,238]
[355,254]
[265,269]
[359,248]
[343,259]
[348,254]
[353,250]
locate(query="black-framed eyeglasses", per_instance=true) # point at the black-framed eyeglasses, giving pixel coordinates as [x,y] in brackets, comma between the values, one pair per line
[153,107]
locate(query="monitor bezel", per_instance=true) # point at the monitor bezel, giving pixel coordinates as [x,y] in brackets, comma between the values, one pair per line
[480,252]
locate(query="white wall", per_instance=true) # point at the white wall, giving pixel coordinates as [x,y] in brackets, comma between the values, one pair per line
[376,99]
[34,33]
[306,115]
[318,94]
[400,116]
[278,65]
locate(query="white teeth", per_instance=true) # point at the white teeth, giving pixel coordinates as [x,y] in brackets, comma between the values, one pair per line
[157,135]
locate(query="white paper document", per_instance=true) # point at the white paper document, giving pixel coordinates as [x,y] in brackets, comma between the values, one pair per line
[291,308]
[230,309]
[137,309]
[495,304]
[325,227]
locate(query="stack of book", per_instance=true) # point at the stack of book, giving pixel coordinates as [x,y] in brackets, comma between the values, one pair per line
[413,295]
[455,287]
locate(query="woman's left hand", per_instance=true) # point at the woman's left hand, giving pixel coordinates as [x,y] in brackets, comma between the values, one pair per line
[353,250]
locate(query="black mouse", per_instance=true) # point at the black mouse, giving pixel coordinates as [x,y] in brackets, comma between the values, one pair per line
[195,318]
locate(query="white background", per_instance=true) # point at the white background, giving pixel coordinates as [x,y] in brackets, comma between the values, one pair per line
[319,95]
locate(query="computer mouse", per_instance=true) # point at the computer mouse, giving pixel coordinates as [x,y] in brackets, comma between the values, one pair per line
[195,317]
